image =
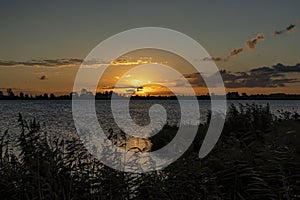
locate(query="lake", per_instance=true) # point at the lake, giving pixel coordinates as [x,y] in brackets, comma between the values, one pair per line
[56,116]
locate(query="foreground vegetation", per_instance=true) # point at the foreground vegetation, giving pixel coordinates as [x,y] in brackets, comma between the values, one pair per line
[257,157]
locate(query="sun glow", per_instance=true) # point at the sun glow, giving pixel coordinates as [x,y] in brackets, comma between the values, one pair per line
[137,82]
[144,72]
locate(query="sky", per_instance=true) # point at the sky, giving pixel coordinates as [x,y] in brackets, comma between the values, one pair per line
[255,44]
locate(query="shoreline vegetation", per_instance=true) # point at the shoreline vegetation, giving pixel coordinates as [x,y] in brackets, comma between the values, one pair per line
[257,157]
[107,95]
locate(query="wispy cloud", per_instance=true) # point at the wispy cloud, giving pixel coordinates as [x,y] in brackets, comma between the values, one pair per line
[43,63]
[74,62]
[130,61]
[124,61]
[251,43]
[216,59]
[288,29]
[232,53]
[236,51]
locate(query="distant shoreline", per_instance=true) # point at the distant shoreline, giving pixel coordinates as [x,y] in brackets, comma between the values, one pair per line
[107,95]
[152,99]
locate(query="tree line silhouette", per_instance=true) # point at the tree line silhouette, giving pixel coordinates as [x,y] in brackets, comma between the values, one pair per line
[106,95]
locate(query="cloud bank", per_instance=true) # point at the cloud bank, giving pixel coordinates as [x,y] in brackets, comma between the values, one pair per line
[268,77]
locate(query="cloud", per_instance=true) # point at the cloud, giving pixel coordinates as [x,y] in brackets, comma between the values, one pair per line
[236,51]
[277,32]
[43,77]
[260,36]
[274,76]
[195,79]
[233,52]
[278,68]
[139,61]
[251,44]
[252,80]
[43,63]
[216,59]
[288,29]
[123,61]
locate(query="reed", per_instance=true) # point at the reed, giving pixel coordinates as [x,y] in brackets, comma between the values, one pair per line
[257,157]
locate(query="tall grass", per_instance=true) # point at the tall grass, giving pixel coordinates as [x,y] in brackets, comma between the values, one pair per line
[257,157]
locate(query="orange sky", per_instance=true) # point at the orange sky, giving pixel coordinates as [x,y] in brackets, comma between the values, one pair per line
[43,44]
[59,79]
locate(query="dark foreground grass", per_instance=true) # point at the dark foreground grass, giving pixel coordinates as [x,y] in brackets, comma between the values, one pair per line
[257,157]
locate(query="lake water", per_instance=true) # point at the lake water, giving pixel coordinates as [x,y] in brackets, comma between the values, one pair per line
[57,115]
